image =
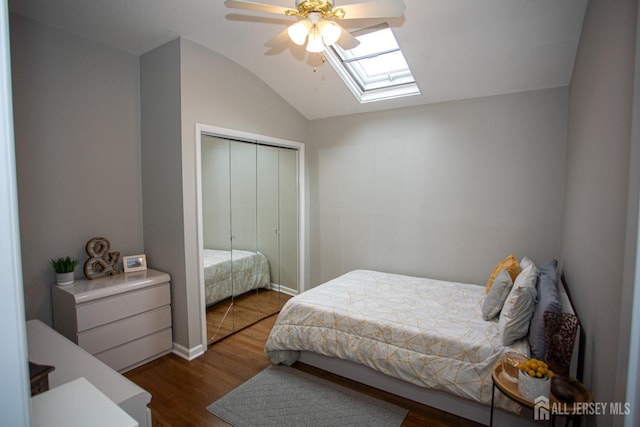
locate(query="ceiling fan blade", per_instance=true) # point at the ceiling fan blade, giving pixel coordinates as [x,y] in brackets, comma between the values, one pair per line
[277,50]
[347,40]
[278,40]
[260,7]
[374,9]
[238,17]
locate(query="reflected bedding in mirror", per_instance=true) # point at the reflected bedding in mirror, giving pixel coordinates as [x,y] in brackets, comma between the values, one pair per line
[232,273]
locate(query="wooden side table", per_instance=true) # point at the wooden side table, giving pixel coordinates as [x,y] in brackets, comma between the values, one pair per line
[510,389]
[39,375]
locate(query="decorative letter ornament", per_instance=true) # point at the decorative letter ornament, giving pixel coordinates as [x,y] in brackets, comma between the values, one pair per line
[101,262]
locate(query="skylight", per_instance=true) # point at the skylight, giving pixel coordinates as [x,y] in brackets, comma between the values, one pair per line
[375,69]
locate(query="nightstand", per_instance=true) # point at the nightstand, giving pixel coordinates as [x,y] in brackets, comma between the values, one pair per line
[546,409]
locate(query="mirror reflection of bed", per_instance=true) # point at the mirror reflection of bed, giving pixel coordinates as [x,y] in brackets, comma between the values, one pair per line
[249,203]
[242,280]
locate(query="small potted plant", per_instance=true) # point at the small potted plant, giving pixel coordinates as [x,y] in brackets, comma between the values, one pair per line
[64,269]
[534,379]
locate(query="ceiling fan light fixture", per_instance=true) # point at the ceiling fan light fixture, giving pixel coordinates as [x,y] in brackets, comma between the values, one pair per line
[317,26]
[315,43]
[298,32]
[330,31]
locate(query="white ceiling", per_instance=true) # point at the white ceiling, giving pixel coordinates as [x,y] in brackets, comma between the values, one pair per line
[457,49]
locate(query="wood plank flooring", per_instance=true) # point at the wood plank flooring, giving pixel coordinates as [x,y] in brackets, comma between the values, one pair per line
[182,390]
[223,318]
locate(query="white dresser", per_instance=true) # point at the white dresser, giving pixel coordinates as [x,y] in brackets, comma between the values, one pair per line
[77,403]
[48,347]
[123,320]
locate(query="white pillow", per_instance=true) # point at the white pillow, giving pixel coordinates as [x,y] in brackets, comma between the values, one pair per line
[525,262]
[498,293]
[519,306]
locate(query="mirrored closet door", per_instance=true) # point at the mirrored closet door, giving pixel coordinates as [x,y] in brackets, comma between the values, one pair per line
[250,231]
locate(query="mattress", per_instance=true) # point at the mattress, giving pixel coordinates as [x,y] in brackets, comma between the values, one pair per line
[232,273]
[426,332]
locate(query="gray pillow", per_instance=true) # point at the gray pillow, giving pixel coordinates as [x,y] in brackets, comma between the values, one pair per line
[548,300]
[498,293]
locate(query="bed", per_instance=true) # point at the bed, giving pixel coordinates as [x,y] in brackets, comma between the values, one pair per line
[245,270]
[420,338]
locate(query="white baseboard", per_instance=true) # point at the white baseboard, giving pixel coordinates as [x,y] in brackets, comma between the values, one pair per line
[186,353]
[283,289]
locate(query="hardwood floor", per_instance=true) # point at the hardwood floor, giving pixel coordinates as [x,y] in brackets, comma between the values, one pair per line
[222,319]
[182,390]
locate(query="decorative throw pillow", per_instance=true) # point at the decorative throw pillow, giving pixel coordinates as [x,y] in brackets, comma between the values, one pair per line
[498,293]
[524,263]
[511,264]
[548,300]
[518,308]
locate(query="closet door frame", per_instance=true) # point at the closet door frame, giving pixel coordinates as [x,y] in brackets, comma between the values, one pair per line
[203,129]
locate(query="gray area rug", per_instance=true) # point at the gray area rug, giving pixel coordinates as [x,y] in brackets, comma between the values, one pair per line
[284,396]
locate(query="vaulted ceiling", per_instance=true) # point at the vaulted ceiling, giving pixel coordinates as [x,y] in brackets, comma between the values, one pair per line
[457,49]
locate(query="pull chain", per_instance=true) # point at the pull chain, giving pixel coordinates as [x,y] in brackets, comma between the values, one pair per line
[315,67]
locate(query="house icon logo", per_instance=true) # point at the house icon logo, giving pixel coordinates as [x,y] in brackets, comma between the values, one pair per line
[541,409]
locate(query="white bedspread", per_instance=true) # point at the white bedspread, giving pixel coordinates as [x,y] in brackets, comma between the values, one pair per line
[426,332]
[228,273]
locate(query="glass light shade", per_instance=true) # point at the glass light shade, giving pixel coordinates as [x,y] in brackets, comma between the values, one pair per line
[298,32]
[315,41]
[330,31]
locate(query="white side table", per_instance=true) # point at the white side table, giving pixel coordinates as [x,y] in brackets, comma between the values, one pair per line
[77,403]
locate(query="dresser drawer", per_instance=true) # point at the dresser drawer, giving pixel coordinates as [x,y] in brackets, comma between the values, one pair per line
[122,331]
[110,309]
[133,353]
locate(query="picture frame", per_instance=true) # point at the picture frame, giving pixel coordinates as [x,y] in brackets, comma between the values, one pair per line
[134,263]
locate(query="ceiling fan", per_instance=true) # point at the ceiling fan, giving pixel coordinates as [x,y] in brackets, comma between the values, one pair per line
[317,20]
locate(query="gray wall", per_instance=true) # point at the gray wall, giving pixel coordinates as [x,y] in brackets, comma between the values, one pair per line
[597,185]
[212,91]
[629,362]
[443,190]
[76,109]
[162,173]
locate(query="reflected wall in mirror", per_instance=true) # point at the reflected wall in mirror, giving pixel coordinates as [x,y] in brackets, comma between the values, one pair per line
[216,233]
[250,221]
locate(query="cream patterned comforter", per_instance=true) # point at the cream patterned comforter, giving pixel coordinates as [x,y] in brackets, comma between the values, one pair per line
[426,332]
[224,277]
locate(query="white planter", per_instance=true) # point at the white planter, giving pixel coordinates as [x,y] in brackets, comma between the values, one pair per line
[63,279]
[531,387]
